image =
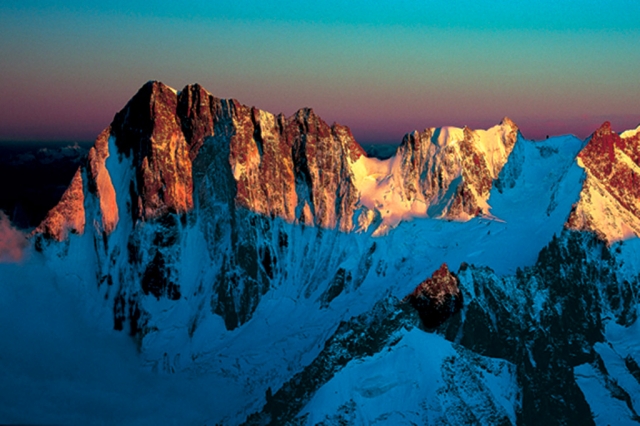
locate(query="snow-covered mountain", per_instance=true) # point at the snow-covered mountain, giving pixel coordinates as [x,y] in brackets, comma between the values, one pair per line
[609,203]
[275,274]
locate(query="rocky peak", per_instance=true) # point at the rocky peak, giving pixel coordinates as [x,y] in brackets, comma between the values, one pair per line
[599,154]
[149,130]
[298,168]
[196,109]
[609,203]
[353,148]
[149,112]
[68,215]
[437,298]
[92,178]
[507,122]
[321,155]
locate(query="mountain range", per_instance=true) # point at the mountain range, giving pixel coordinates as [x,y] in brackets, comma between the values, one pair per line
[473,277]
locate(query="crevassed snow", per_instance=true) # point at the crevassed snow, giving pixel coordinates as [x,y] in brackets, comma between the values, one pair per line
[380,184]
[518,228]
[604,393]
[489,143]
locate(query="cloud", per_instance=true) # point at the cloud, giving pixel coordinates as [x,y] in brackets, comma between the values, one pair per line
[12,242]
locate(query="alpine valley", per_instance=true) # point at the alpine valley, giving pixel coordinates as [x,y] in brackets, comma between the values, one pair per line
[212,263]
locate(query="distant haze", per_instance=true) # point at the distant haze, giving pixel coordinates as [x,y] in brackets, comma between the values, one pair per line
[383,70]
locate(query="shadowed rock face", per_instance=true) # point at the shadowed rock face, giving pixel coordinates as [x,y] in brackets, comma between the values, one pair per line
[437,298]
[548,319]
[609,202]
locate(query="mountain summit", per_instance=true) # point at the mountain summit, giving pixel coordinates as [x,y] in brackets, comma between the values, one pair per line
[475,277]
[297,168]
[609,203]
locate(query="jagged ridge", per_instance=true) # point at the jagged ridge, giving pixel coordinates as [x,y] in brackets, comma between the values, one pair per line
[298,168]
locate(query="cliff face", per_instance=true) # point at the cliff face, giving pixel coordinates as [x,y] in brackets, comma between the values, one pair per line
[149,130]
[100,184]
[296,168]
[609,203]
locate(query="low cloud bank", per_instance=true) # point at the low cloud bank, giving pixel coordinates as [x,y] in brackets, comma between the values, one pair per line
[12,242]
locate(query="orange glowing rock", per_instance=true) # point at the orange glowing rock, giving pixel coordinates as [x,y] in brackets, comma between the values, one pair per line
[102,184]
[609,203]
[68,215]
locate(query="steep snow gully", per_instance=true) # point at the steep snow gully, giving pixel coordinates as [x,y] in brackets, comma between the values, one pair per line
[212,263]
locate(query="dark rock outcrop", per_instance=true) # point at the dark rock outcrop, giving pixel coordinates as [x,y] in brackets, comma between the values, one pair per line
[546,319]
[437,298]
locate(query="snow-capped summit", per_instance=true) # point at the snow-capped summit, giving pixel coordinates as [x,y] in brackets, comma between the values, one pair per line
[443,172]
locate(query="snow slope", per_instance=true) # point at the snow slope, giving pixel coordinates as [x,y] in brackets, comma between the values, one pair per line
[422,379]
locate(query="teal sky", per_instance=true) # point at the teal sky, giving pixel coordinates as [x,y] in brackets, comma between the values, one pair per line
[383,69]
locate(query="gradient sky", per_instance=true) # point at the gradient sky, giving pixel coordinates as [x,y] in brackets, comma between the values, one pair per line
[381,68]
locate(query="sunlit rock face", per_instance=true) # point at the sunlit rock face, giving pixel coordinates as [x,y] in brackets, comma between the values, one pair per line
[99,183]
[68,215]
[149,130]
[609,203]
[451,170]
